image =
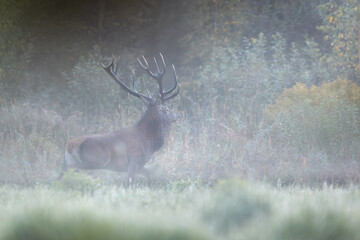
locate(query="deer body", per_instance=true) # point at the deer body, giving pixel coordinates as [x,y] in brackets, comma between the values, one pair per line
[127,149]
[113,151]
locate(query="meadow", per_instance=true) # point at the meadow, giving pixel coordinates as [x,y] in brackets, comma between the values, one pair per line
[234,209]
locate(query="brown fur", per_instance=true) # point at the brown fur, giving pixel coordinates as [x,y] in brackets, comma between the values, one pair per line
[124,150]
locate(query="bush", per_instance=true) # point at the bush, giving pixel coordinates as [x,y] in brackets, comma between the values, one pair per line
[31,138]
[242,82]
[315,225]
[318,119]
[93,92]
[341,26]
[77,181]
[233,205]
[79,225]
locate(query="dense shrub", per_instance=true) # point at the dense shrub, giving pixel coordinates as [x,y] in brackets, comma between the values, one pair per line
[318,119]
[31,138]
[241,82]
[89,87]
[234,205]
[315,225]
[72,180]
[52,224]
[341,25]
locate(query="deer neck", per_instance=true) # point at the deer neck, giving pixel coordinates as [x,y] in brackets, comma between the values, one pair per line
[154,130]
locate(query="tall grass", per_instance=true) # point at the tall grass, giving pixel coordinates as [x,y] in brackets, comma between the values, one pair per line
[222,131]
[181,210]
[33,139]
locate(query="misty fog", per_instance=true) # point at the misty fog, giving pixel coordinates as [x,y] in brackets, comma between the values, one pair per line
[263,92]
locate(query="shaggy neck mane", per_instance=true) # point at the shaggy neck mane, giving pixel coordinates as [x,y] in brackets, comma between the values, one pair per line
[153,127]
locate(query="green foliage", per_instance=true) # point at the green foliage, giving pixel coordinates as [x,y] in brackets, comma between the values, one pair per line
[20,120]
[84,225]
[89,89]
[341,24]
[188,31]
[318,215]
[81,182]
[107,213]
[212,24]
[92,91]
[43,212]
[293,19]
[242,82]
[15,51]
[229,72]
[312,224]
[31,137]
[234,205]
[324,118]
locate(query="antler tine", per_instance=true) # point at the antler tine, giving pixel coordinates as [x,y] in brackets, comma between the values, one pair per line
[159,77]
[172,95]
[143,82]
[133,82]
[112,68]
[141,64]
[157,65]
[110,64]
[146,66]
[115,65]
[175,75]
[146,62]
[163,62]
[176,84]
[133,85]
[161,73]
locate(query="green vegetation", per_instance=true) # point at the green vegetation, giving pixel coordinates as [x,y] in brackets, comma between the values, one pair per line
[269,93]
[193,212]
[341,28]
[255,103]
[233,205]
[323,118]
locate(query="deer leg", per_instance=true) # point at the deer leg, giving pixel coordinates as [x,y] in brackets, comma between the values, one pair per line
[130,178]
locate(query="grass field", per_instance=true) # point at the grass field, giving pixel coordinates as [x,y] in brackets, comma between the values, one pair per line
[233,209]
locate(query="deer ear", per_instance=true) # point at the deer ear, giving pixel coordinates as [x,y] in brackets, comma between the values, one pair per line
[145,101]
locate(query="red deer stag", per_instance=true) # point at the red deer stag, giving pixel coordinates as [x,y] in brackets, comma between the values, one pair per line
[127,149]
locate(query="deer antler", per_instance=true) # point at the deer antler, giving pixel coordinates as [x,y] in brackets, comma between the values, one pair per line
[112,67]
[158,76]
